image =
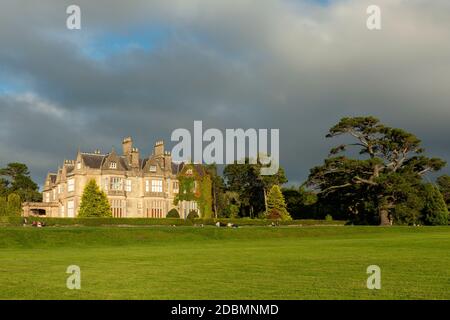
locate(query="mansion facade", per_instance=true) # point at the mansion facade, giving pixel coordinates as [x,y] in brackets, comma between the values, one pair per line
[136,187]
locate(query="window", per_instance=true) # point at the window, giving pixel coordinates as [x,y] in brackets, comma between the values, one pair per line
[70,185]
[128,185]
[118,207]
[47,197]
[152,168]
[189,171]
[154,209]
[116,183]
[175,186]
[113,165]
[70,209]
[147,186]
[157,186]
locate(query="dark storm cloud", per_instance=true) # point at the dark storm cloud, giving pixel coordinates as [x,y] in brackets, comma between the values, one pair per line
[291,65]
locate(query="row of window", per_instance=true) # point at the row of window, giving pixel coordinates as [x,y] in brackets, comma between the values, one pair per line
[153,209]
[115,184]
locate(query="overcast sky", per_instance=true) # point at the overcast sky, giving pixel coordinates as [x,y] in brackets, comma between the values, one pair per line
[145,68]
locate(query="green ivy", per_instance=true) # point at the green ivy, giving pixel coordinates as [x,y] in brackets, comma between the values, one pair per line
[202,196]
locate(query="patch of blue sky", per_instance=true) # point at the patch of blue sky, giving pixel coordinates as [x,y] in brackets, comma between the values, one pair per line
[107,44]
[9,86]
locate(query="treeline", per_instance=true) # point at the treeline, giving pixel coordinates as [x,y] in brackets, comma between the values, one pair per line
[16,186]
[384,184]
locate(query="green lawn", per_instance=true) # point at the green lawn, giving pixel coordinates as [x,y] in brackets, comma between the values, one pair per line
[211,263]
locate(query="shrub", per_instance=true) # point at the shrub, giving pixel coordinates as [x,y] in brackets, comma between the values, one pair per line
[173,213]
[192,215]
[328,217]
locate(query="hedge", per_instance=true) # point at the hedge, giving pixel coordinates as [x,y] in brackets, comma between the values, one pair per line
[18,221]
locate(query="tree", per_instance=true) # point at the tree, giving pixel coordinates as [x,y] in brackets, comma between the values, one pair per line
[15,178]
[246,180]
[300,202]
[435,210]
[94,202]
[217,190]
[443,183]
[14,206]
[374,184]
[276,206]
[3,206]
[173,213]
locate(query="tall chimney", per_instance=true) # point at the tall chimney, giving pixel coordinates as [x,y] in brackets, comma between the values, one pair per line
[127,146]
[135,158]
[159,148]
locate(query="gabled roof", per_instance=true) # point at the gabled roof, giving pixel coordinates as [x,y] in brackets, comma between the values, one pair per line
[52,177]
[93,161]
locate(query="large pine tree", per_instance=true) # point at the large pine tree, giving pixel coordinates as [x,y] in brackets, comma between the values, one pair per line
[276,206]
[94,202]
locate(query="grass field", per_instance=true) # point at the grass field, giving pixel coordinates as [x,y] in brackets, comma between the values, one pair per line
[211,263]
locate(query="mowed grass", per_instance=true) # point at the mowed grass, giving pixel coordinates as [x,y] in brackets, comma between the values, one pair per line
[221,263]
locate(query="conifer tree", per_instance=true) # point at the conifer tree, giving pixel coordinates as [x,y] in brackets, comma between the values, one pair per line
[94,202]
[276,206]
[435,210]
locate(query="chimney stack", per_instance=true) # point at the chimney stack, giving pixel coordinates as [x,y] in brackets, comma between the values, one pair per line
[159,148]
[135,157]
[127,146]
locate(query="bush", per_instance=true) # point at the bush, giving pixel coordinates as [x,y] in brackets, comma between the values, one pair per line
[192,215]
[173,213]
[328,217]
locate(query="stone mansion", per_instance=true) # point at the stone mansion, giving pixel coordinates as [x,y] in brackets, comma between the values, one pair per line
[135,186]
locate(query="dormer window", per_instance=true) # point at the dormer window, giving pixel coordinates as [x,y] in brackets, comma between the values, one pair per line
[152,168]
[113,165]
[189,171]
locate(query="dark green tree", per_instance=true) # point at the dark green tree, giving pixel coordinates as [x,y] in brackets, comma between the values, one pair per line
[443,183]
[94,202]
[300,202]
[374,182]
[246,180]
[14,206]
[15,178]
[435,210]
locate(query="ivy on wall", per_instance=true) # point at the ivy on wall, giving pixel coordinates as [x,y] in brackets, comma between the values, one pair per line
[201,195]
